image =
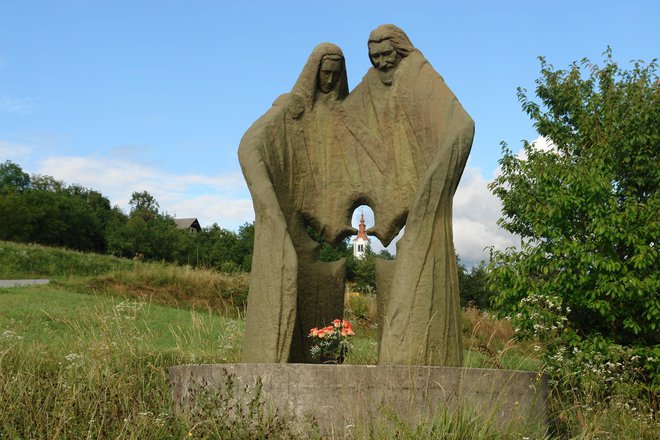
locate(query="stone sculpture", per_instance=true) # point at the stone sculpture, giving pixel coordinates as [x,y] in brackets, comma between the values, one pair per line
[399,143]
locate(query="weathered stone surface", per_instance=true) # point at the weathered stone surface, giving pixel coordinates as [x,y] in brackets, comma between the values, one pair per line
[342,395]
[399,143]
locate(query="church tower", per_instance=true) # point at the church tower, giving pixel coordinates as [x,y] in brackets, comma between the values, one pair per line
[361,242]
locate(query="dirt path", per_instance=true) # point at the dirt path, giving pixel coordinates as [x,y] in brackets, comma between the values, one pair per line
[18,283]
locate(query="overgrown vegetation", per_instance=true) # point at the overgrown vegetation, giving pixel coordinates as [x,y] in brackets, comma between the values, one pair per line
[160,283]
[77,362]
[77,366]
[584,282]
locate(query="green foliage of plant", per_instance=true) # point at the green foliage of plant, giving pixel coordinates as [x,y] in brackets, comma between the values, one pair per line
[217,248]
[144,235]
[601,388]
[169,284]
[449,424]
[587,209]
[362,271]
[362,307]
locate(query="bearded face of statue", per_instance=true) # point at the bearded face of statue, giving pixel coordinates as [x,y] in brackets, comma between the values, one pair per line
[385,58]
[329,74]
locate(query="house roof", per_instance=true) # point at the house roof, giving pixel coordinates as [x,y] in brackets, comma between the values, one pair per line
[186,223]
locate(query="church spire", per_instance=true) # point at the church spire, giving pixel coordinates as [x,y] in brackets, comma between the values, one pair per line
[362,229]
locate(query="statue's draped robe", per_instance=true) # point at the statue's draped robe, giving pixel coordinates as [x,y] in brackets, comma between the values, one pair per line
[283,157]
[410,142]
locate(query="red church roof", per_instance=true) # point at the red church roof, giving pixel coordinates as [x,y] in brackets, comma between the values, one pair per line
[362,229]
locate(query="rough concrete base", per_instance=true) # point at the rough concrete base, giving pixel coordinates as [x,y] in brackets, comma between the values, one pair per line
[342,396]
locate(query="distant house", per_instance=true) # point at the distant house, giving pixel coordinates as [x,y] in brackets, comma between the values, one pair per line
[188,224]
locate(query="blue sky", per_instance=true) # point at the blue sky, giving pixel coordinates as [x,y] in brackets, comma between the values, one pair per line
[124,96]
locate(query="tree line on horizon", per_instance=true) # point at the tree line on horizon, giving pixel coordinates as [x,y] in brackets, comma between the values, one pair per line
[40,209]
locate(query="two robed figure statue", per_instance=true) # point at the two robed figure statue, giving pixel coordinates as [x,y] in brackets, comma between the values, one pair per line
[398,143]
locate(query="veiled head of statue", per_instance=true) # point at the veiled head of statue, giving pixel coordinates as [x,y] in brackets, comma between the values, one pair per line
[330,71]
[328,58]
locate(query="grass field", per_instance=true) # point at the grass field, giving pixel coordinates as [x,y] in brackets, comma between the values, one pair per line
[87,355]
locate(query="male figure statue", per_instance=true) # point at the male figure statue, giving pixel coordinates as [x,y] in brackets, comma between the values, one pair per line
[413,139]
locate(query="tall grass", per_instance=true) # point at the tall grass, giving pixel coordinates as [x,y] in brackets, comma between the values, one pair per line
[224,293]
[161,283]
[98,370]
[86,357]
[34,261]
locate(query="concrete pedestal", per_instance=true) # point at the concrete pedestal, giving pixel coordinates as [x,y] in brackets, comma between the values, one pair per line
[339,396]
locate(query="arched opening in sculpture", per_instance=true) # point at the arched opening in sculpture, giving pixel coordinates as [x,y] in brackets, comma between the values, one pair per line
[376,245]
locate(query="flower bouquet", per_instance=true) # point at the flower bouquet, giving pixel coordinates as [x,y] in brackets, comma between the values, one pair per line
[331,343]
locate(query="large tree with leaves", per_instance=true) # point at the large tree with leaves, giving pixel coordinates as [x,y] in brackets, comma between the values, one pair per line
[587,209]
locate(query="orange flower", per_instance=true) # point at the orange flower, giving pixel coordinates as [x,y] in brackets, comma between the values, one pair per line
[344,331]
[321,333]
[329,329]
[337,323]
[314,331]
[346,324]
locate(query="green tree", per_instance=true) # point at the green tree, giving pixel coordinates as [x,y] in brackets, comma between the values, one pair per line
[473,285]
[146,233]
[46,183]
[143,204]
[362,271]
[218,248]
[12,177]
[43,210]
[587,209]
[245,246]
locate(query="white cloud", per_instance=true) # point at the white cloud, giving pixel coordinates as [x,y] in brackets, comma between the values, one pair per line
[209,209]
[14,152]
[212,199]
[540,143]
[476,211]
[17,105]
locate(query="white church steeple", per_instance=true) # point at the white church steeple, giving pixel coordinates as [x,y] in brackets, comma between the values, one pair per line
[361,242]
